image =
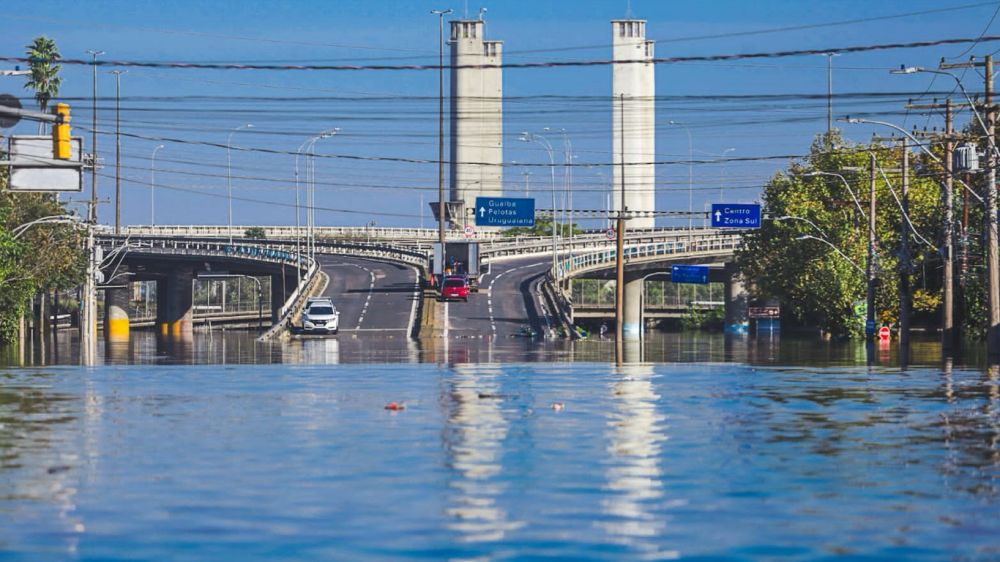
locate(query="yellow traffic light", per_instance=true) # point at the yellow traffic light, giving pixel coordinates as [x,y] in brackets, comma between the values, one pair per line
[61,146]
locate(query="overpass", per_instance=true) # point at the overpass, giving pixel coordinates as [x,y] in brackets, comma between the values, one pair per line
[174,255]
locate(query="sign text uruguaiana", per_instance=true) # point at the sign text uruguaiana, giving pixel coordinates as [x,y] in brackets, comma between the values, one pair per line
[505,211]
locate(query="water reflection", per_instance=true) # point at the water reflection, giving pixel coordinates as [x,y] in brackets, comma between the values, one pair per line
[40,463]
[241,347]
[474,438]
[635,430]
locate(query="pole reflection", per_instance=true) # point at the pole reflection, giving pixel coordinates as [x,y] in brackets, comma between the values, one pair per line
[474,439]
[635,432]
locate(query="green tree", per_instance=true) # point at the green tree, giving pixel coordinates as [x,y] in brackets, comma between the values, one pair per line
[44,80]
[815,284]
[255,232]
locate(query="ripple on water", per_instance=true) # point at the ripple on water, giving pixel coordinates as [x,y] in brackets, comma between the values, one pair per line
[664,461]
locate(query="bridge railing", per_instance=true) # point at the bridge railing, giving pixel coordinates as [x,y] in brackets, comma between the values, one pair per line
[320,232]
[582,243]
[713,242]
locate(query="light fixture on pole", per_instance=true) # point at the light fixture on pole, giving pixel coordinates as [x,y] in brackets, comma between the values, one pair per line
[441,202]
[835,249]
[229,175]
[541,140]
[152,186]
[690,173]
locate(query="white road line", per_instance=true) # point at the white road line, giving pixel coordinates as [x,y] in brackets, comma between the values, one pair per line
[447,320]
[493,323]
[416,297]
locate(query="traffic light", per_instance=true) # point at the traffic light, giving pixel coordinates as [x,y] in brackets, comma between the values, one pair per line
[61,146]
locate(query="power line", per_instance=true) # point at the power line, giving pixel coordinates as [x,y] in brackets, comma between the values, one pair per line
[519,65]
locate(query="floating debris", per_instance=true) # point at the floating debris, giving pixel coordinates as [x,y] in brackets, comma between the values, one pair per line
[395,407]
[558,406]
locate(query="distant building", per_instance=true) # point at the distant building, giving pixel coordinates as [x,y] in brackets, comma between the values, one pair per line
[634,90]
[476,115]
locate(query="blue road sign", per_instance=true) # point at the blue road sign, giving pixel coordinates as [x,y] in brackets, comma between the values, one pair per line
[505,211]
[735,215]
[697,274]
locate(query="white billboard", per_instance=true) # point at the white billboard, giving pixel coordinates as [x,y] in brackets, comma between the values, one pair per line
[32,167]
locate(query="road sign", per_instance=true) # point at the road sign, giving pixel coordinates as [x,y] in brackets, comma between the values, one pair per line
[770,312]
[505,211]
[869,327]
[470,231]
[734,215]
[610,233]
[33,168]
[884,334]
[697,274]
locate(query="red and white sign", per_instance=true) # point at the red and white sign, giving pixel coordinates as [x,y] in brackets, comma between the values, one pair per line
[883,333]
[470,231]
[768,312]
[610,233]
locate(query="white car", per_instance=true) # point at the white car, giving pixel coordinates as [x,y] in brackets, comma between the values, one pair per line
[320,316]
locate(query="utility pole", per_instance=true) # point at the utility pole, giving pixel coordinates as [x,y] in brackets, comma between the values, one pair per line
[93,147]
[441,202]
[118,149]
[829,99]
[620,249]
[948,285]
[990,220]
[949,335]
[993,286]
[870,265]
[905,299]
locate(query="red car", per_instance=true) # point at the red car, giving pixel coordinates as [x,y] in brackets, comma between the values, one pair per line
[455,288]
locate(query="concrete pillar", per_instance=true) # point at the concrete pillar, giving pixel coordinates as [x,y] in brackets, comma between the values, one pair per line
[636,82]
[633,326]
[476,114]
[277,296]
[116,319]
[737,321]
[175,304]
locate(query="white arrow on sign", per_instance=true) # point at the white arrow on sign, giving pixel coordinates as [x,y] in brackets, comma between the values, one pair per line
[482,211]
[718,216]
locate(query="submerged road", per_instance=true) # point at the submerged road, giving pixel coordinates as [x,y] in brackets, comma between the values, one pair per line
[507,300]
[373,297]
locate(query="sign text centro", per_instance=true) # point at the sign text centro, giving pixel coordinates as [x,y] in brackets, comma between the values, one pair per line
[735,215]
[505,211]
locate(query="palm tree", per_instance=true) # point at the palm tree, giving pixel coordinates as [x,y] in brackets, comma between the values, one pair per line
[45,80]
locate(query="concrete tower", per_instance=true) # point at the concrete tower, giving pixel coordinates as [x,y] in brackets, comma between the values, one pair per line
[635,80]
[476,116]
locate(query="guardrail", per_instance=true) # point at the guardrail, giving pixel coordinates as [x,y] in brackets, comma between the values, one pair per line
[319,232]
[536,245]
[712,244]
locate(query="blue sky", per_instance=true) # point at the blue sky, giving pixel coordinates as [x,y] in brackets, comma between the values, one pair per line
[393,114]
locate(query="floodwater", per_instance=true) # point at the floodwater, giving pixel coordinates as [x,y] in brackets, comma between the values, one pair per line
[710,448]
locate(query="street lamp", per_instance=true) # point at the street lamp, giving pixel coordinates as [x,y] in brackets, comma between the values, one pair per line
[690,173]
[152,186]
[803,219]
[725,176]
[541,140]
[441,202]
[298,213]
[835,249]
[847,185]
[229,175]
[567,182]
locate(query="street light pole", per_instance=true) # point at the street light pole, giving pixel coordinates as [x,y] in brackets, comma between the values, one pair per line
[152,186]
[441,202]
[541,140]
[690,173]
[118,148]
[229,175]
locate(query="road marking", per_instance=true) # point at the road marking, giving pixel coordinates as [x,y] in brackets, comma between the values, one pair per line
[493,323]
[416,297]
